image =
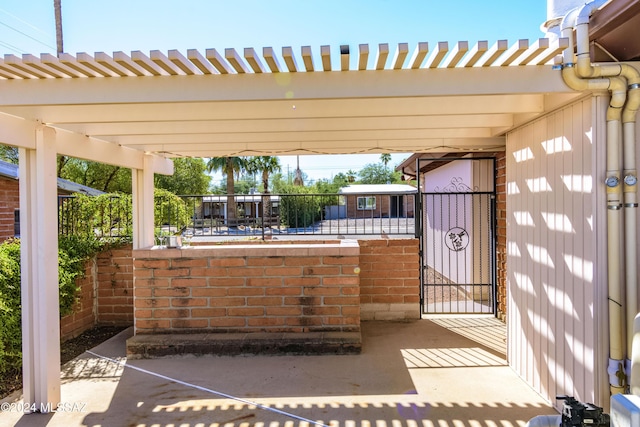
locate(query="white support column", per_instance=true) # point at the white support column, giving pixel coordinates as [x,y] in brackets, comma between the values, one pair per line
[39,271]
[143,214]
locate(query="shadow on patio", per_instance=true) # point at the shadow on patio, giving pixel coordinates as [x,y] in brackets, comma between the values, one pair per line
[409,374]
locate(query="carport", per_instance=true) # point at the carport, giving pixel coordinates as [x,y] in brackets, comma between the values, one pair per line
[140,110]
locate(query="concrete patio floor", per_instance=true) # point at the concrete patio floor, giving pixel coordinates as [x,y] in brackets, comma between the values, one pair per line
[440,372]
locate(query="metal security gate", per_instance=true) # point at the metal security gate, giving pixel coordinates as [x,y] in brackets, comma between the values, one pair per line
[457,235]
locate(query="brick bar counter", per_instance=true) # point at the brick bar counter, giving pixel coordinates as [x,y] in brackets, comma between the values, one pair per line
[260,297]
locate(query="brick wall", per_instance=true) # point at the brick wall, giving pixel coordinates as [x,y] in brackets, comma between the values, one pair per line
[9,202]
[389,279]
[106,294]
[115,287]
[84,312]
[501,234]
[248,288]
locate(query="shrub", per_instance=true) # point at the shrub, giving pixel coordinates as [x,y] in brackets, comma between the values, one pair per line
[10,318]
[73,253]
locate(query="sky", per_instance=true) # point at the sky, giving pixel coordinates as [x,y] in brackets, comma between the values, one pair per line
[28,27]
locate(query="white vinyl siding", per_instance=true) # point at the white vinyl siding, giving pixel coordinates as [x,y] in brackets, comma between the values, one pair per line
[555,217]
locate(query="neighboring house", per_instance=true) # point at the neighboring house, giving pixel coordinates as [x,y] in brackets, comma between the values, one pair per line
[249,208]
[379,201]
[10,198]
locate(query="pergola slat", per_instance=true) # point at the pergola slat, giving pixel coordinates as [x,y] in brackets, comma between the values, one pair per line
[12,61]
[145,62]
[401,55]
[161,60]
[556,48]
[88,61]
[325,54]
[511,54]
[217,61]
[181,62]
[419,54]
[199,61]
[253,60]
[108,62]
[344,57]
[54,63]
[493,53]
[383,54]
[456,54]
[437,55]
[270,58]
[307,58]
[533,52]
[36,63]
[363,56]
[289,59]
[475,54]
[125,61]
[233,58]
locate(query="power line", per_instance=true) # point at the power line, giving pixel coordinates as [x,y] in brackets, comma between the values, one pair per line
[24,22]
[27,35]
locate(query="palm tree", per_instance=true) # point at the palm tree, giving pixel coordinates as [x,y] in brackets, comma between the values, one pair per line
[266,165]
[57,10]
[351,176]
[230,166]
[385,158]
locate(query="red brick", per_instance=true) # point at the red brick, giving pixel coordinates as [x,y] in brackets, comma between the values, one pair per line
[151,263]
[151,302]
[321,271]
[247,291]
[282,271]
[208,312]
[341,300]
[265,321]
[210,292]
[284,311]
[176,291]
[189,323]
[302,261]
[264,281]
[188,302]
[188,282]
[245,311]
[189,262]
[321,290]
[265,261]
[341,280]
[284,291]
[162,313]
[227,322]
[152,324]
[227,302]
[227,262]
[264,301]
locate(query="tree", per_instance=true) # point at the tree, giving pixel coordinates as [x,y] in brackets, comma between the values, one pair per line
[385,158]
[351,176]
[107,178]
[9,154]
[265,165]
[376,173]
[229,166]
[189,177]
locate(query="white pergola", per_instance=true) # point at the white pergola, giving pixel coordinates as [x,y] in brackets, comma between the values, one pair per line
[138,111]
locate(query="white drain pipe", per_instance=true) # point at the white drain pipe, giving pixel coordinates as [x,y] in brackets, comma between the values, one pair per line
[593,76]
[629,183]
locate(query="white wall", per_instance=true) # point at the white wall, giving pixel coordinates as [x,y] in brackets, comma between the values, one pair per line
[555,232]
[471,265]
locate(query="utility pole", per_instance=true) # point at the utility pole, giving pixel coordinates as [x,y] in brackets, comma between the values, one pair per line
[57,8]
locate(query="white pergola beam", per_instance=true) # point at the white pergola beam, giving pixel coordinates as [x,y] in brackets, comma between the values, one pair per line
[308,124]
[87,148]
[17,132]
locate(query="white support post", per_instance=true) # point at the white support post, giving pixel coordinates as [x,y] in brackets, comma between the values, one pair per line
[39,271]
[143,214]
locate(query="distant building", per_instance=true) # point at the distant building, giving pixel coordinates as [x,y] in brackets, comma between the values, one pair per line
[379,201]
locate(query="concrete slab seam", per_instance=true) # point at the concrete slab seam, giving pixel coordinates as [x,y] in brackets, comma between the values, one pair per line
[207,390]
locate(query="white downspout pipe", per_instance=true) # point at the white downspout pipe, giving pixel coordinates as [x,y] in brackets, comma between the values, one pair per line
[632,77]
[594,76]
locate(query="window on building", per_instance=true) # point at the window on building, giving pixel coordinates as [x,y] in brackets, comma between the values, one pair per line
[366,203]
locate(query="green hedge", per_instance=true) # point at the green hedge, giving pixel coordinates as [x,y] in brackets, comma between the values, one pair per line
[73,254]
